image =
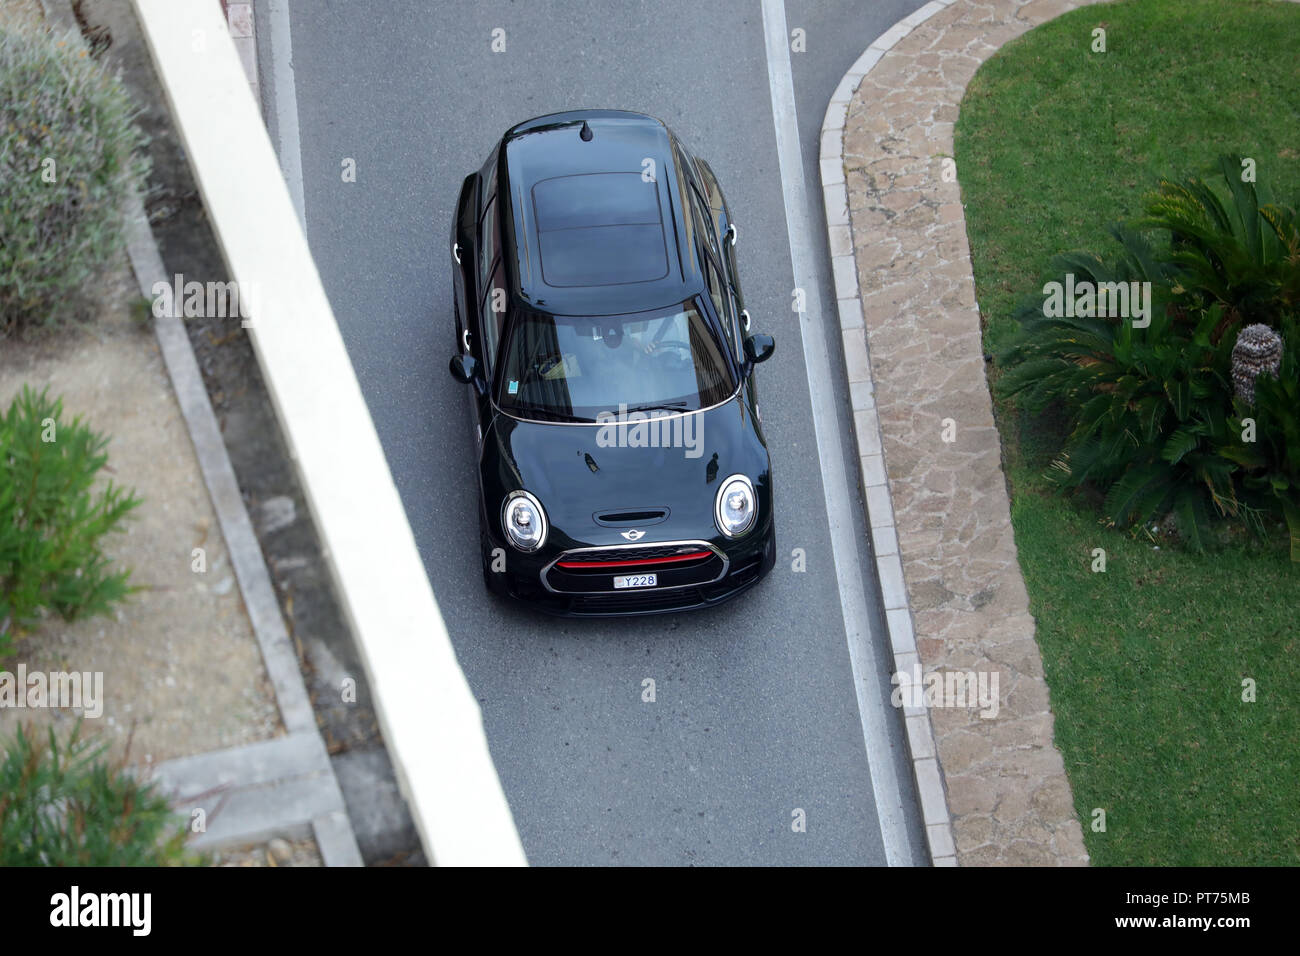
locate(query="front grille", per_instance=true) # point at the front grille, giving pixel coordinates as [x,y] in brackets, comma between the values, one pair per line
[654,601]
[586,565]
[630,554]
[678,564]
[690,584]
[631,603]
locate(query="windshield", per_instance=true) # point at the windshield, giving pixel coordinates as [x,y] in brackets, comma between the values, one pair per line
[572,368]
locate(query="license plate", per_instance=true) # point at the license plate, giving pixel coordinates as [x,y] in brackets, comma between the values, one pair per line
[636,581]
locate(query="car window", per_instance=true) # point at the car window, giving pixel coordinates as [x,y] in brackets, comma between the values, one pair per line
[721,297]
[713,201]
[711,191]
[489,173]
[703,224]
[574,368]
[487,247]
[685,168]
[493,313]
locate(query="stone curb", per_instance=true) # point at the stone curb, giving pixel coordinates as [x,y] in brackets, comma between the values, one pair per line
[282,787]
[450,785]
[866,427]
[337,844]
[1055,833]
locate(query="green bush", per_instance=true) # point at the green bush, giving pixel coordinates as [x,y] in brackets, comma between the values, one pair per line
[1138,400]
[1244,255]
[52,520]
[64,805]
[63,117]
[1153,420]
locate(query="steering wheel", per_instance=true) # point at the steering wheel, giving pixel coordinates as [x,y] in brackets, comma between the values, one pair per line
[674,344]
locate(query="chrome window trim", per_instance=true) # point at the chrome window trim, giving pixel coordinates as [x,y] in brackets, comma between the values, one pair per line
[543,421]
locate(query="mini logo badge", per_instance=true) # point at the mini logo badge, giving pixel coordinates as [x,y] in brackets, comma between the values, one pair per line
[634,535]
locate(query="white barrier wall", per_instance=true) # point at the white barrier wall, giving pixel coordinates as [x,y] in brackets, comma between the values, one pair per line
[431,721]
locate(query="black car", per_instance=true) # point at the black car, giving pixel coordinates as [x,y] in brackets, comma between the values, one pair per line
[621,460]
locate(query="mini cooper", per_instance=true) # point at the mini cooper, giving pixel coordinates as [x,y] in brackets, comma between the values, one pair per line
[600,326]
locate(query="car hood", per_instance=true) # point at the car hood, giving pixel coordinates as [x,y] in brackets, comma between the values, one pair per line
[581,471]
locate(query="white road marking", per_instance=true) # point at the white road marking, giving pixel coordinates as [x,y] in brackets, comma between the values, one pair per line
[289,147]
[859,626]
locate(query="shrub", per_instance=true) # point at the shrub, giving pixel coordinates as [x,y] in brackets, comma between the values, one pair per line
[64,805]
[1244,255]
[1145,404]
[1154,422]
[52,522]
[63,117]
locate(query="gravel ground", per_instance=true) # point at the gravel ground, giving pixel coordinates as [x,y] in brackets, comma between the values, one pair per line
[265,473]
[182,669]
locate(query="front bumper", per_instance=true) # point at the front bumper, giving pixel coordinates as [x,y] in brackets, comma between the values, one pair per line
[730,568]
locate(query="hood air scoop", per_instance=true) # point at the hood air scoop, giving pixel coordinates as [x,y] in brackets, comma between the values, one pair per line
[618,519]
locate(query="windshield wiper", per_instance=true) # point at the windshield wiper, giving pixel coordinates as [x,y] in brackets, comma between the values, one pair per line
[665,407]
[545,414]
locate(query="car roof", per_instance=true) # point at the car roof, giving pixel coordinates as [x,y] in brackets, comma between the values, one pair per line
[596,225]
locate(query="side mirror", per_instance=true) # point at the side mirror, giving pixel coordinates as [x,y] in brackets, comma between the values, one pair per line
[463,368]
[759,348]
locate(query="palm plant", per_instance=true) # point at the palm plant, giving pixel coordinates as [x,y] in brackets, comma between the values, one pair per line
[1244,254]
[1153,422]
[1145,404]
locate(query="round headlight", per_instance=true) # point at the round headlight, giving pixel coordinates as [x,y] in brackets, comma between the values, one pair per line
[524,521]
[736,507]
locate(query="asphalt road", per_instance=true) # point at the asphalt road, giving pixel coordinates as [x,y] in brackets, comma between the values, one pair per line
[756,714]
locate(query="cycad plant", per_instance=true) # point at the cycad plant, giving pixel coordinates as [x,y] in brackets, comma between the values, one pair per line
[1154,421]
[1243,254]
[1146,404]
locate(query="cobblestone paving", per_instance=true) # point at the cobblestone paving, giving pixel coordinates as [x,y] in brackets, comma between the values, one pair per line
[916,367]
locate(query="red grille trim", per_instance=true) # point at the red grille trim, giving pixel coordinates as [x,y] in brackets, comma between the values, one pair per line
[672,559]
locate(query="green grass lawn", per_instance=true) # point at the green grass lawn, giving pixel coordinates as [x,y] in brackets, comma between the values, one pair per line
[1146,662]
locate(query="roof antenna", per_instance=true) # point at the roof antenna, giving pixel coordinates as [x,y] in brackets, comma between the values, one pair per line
[585,133]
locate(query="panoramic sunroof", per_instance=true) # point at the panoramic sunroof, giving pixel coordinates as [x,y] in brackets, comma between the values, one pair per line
[599,229]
